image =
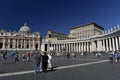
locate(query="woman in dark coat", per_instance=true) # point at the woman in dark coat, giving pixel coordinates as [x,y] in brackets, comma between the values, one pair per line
[44,62]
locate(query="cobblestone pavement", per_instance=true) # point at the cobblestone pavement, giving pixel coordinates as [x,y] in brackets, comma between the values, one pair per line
[79,68]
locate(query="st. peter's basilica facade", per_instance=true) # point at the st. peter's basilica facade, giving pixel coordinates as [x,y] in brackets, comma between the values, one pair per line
[22,40]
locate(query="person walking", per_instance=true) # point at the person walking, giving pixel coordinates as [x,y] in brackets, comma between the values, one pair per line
[16,57]
[44,62]
[4,57]
[37,61]
[116,56]
[28,56]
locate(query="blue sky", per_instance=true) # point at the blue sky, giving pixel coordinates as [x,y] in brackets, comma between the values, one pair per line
[58,15]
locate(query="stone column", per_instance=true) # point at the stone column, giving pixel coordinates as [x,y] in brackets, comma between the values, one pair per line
[8,46]
[3,47]
[107,45]
[52,45]
[116,42]
[69,46]
[91,46]
[110,44]
[25,44]
[119,42]
[81,46]
[17,43]
[87,46]
[113,42]
[103,47]
[29,44]
[21,43]
[60,47]
[57,47]
[73,46]
[84,46]
[64,46]
[14,42]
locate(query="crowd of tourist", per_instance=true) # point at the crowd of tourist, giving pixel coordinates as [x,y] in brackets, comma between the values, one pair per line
[42,60]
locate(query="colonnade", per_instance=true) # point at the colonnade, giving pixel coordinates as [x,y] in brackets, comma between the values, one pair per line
[89,45]
[19,44]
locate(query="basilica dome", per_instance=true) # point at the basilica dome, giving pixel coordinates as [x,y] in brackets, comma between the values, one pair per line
[25,29]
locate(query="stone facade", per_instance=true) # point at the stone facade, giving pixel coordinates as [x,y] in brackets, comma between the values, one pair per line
[23,40]
[108,41]
[53,36]
[86,31]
